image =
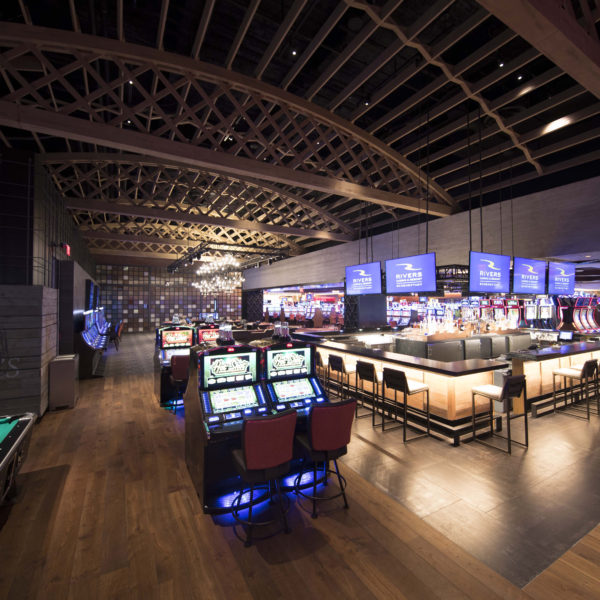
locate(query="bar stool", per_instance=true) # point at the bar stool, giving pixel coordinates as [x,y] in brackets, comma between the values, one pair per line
[397,381]
[336,371]
[319,366]
[365,372]
[501,398]
[179,376]
[265,455]
[327,438]
[581,378]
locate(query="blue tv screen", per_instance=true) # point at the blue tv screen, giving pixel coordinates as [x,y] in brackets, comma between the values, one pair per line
[411,274]
[561,279]
[529,276]
[363,279]
[489,273]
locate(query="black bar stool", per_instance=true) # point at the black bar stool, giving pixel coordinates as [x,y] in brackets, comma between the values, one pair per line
[580,379]
[179,377]
[336,372]
[327,437]
[365,372]
[501,402]
[397,381]
[265,455]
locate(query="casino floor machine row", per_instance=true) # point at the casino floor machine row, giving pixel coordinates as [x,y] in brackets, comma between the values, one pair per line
[233,383]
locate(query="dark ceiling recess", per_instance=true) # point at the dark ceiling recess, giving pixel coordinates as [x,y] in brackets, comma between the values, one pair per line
[262,127]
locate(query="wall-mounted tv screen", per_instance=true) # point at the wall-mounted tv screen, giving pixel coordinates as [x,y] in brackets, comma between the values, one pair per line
[489,272]
[561,278]
[410,274]
[529,276]
[363,279]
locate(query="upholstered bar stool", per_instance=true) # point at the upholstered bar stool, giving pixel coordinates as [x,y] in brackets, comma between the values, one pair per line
[327,437]
[366,373]
[397,381]
[179,377]
[338,375]
[501,403]
[265,455]
[580,379]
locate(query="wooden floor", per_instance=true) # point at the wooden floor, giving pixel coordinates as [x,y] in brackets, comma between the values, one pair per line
[106,510]
[575,575]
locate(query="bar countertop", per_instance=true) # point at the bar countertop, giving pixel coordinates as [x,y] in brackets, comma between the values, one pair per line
[452,369]
[555,351]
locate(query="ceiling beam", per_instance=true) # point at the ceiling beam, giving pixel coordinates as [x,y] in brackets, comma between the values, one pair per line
[554,31]
[43,121]
[202,27]
[241,33]
[131,210]
[94,234]
[282,31]
[135,253]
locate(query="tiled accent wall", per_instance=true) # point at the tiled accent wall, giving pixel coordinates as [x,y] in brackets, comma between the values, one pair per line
[144,297]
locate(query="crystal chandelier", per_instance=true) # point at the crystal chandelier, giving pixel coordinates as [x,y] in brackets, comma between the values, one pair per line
[220,275]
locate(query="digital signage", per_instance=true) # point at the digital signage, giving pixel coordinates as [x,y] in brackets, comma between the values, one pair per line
[363,279]
[561,278]
[529,276]
[410,274]
[489,273]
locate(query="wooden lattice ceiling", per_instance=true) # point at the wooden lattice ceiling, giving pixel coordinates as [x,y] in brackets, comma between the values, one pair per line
[268,128]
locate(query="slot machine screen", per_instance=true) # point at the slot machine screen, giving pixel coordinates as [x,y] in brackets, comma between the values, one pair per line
[233,399]
[292,390]
[176,338]
[288,362]
[219,369]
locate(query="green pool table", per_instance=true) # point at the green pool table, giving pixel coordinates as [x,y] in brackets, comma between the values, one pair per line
[15,432]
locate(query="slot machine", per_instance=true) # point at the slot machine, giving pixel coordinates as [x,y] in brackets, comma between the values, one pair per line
[290,377]
[485,309]
[229,383]
[546,313]
[499,309]
[513,312]
[224,389]
[578,313]
[172,341]
[530,312]
[592,315]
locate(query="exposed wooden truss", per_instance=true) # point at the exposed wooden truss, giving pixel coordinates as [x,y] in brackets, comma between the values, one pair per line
[250,145]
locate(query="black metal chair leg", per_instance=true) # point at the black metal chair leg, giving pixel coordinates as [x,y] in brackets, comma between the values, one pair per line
[342,489]
[405,418]
[314,511]
[286,527]
[248,541]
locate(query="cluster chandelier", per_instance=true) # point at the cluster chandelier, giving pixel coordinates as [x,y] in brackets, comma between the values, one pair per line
[222,264]
[220,275]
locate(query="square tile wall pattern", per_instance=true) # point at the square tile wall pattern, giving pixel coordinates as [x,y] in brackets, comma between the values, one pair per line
[144,297]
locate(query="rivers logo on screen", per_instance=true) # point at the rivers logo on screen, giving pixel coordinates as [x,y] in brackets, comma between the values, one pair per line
[288,360]
[491,264]
[228,366]
[362,274]
[530,269]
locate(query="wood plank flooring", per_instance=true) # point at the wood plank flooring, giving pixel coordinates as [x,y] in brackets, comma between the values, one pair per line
[106,509]
[575,575]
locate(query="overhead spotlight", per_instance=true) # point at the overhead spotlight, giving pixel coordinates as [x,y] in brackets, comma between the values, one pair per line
[128,121]
[367,101]
[519,77]
[294,52]
[130,82]
[501,64]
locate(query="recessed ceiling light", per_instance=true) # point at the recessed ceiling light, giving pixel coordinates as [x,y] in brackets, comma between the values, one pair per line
[556,124]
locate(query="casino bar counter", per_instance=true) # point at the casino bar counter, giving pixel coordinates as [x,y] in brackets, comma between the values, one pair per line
[537,366]
[449,382]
